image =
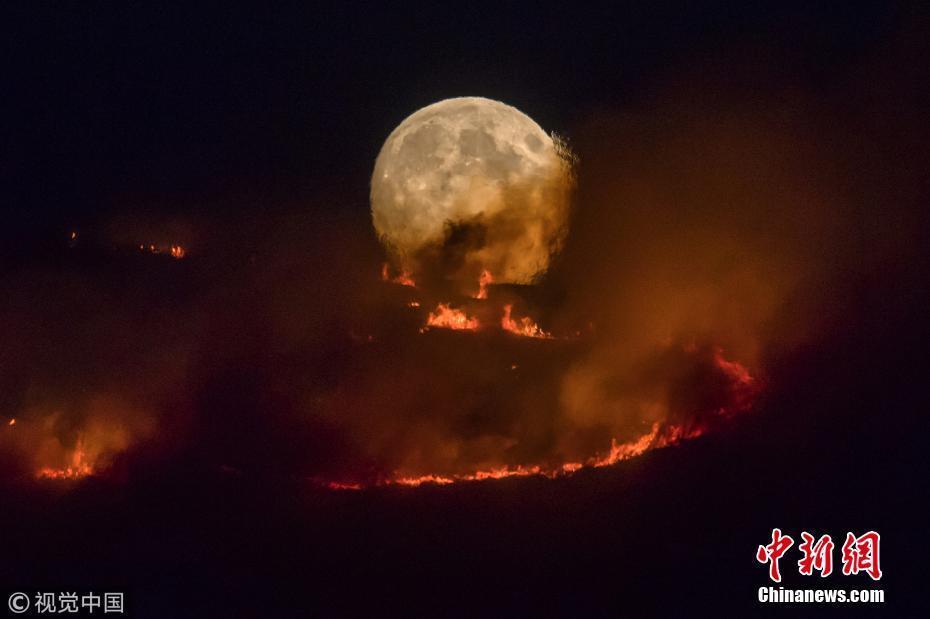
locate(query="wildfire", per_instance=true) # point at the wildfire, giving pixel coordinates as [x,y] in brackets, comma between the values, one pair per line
[660,435]
[446,317]
[405,278]
[12,422]
[78,468]
[625,451]
[656,438]
[524,326]
[483,282]
[177,252]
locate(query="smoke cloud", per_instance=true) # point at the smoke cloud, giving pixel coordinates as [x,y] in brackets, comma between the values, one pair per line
[713,234]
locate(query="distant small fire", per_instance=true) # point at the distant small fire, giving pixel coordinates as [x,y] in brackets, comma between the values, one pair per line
[175,251]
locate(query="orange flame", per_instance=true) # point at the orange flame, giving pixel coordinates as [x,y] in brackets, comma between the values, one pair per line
[12,422]
[336,485]
[483,282]
[447,317]
[654,439]
[659,436]
[175,251]
[425,479]
[78,468]
[404,279]
[525,326]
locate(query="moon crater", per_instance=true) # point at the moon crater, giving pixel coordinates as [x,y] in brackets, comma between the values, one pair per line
[478,164]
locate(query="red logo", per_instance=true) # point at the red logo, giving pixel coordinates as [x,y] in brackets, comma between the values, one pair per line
[859,554]
[772,553]
[817,556]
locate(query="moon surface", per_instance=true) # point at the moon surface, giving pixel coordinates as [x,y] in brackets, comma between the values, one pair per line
[479,164]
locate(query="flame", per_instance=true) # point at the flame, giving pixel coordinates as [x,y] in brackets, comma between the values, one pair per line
[175,251]
[660,435]
[745,387]
[656,438]
[78,468]
[74,235]
[525,327]
[12,422]
[336,485]
[424,479]
[483,282]
[413,304]
[446,317]
[404,279]
[624,451]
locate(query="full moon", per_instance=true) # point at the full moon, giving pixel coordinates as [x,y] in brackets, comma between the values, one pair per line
[477,165]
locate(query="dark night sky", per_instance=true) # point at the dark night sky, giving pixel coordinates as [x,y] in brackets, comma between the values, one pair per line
[107,108]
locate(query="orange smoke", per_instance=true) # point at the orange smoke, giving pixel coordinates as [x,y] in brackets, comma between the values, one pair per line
[54,447]
[742,390]
[77,467]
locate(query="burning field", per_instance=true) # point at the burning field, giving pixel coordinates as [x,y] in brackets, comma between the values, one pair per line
[444,311]
[651,319]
